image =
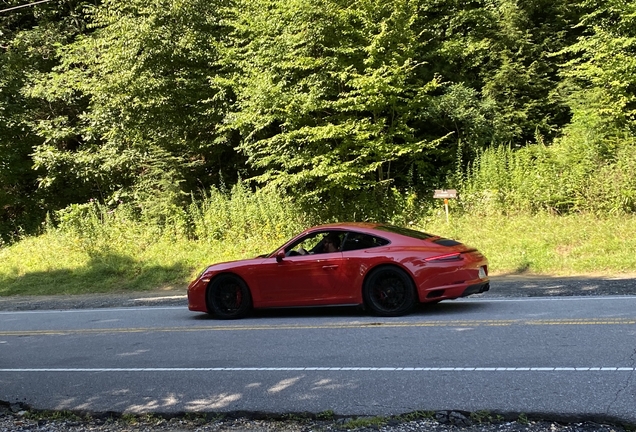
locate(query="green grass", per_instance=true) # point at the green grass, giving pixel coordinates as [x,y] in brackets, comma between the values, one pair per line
[130,256]
[548,244]
[57,263]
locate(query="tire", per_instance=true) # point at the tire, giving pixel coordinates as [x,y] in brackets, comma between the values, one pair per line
[228,297]
[389,291]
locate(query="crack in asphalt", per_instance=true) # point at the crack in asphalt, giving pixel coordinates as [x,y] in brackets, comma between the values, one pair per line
[628,381]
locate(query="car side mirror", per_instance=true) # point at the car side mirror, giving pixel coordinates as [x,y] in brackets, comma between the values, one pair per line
[279,256]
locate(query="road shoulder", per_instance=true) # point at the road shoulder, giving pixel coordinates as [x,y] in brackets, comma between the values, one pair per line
[501,286]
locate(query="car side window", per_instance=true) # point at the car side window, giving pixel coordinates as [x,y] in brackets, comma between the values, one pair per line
[316,243]
[357,241]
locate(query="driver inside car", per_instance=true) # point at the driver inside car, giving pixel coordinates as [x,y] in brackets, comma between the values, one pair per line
[330,243]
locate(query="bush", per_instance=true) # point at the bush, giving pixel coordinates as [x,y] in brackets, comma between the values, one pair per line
[573,175]
[244,214]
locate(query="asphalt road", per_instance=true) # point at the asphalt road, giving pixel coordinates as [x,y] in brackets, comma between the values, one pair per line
[559,357]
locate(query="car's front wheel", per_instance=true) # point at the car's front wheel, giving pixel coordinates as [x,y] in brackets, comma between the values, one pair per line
[229,297]
[389,291]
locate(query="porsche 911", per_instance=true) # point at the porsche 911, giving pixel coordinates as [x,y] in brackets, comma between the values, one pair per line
[386,269]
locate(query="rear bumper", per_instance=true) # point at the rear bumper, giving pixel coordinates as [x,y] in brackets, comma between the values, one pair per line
[451,292]
[476,289]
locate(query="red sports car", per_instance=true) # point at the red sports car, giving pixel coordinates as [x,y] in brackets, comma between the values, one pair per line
[385,268]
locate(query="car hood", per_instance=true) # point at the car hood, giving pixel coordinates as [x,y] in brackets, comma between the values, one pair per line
[233,264]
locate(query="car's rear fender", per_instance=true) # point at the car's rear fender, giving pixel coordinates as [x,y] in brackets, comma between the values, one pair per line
[447,279]
[396,265]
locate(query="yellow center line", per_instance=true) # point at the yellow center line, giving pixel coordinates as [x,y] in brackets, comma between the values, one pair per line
[452,323]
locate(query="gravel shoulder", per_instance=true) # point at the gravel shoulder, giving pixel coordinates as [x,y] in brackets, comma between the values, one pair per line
[501,286]
[19,417]
[437,422]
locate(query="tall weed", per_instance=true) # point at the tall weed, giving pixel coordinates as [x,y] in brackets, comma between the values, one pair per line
[569,176]
[243,214]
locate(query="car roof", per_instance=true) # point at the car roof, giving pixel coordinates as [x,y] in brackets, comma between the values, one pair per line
[370,228]
[348,225]
[375,229]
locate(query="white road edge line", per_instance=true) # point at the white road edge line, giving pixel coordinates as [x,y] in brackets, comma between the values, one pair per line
[330,369]
[530,299]
[104,309]
[464,300]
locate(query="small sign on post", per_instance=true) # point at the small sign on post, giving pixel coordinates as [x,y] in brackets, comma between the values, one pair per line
[445,194]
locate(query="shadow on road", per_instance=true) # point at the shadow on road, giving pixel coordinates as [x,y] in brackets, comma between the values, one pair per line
[353,312]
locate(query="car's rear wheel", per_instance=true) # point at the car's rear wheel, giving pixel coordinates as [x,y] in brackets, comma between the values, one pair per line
[229,297]
[389,291]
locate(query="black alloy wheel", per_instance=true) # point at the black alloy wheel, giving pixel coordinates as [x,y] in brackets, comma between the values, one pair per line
[389,291]
[229,297]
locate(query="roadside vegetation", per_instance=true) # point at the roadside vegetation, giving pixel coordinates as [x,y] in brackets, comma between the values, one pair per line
[142,139]
[92,249]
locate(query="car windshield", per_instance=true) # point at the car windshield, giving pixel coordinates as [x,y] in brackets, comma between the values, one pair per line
[405,232]
[271,254]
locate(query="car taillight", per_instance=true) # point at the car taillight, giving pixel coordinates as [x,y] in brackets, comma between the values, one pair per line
[445,257]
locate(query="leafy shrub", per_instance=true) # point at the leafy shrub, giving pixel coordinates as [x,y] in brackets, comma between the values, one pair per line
[576,174]
[242,214]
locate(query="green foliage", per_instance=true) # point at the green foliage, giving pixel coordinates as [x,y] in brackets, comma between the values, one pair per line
[239,214]
[416,415]
[365,422]
[329,95]
[94,248]
[378,204]
[601,75]
[485,416]
[325,415]
[575,174]
[590,167]
[501,50]
[523,419]
[242,214]
[612,188]
[148,125]
[505,181]
[28,40]
[55,416]
[334,98]
[353,109]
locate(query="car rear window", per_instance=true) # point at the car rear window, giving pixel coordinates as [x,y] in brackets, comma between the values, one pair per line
[356,241]
[405,232]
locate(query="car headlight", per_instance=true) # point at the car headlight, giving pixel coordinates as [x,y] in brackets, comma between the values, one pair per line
[201,273]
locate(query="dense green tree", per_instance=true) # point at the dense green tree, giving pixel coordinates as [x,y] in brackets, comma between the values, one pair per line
[591,165]
[149,114]
[503,51]
[330,94]
[28,41]
[153,100]
[601,75]
[341,94]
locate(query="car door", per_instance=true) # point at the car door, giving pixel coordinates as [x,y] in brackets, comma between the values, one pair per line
[302,280]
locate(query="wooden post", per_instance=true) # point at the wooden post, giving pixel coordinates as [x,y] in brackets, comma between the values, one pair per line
[446,207]
[446,194]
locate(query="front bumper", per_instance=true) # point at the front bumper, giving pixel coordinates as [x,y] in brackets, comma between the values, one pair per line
[196,296]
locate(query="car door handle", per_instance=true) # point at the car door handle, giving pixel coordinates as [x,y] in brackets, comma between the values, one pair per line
[329,267]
